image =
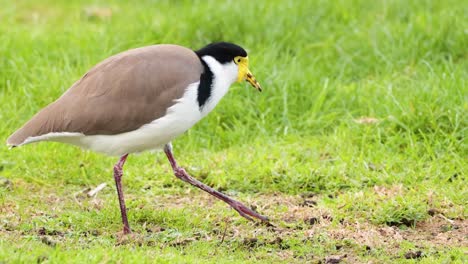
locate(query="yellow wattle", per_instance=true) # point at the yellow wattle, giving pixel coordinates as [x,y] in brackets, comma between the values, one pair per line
[243,69]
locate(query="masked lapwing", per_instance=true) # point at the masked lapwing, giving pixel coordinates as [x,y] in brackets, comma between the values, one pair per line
[140,100]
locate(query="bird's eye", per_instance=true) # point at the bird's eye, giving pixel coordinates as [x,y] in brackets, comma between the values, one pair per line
[238,60]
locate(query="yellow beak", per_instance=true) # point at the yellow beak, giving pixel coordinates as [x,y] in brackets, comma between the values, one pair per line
[245,74]
[251,79]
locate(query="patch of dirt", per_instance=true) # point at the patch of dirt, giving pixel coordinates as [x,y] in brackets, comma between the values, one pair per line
[49,241]
[391,191]
[292,214]
[298,217]
[439,231]
[6,183]
[43,232]
[250,242]
[434,231]
[413,254]
[182,242]
[334,259]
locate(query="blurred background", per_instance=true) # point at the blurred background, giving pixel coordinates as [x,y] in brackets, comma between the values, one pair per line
[326,66]
[357,94]
[322,63]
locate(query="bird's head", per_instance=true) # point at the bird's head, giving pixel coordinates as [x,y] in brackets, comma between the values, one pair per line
[231,55]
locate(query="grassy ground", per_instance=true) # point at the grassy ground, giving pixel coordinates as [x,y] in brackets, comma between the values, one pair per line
[357,149]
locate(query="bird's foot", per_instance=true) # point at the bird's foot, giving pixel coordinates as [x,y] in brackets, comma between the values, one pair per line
[126,230]
[247,212]
[238,206]
[181,173]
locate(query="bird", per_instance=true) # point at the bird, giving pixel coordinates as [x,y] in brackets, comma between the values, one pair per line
[141,100]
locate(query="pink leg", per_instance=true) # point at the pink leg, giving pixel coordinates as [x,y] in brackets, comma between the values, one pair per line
[118,173]
[183,175]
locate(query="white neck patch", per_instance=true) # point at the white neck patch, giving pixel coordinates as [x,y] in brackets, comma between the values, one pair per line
[224,75]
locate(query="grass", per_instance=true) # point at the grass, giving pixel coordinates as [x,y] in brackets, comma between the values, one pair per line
[357,149]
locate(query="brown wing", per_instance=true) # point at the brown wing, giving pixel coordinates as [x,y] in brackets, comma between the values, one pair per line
[120,94]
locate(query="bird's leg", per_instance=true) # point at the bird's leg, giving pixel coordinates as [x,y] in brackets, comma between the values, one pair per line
[118,173]
[183,175]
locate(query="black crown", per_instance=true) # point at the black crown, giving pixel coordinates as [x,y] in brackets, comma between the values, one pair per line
[222,51]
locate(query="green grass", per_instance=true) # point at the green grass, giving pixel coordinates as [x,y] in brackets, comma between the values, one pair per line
[378,190]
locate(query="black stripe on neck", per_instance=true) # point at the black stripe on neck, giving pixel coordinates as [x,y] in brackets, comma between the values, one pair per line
[205,86]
